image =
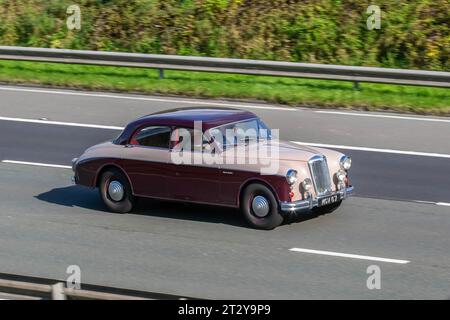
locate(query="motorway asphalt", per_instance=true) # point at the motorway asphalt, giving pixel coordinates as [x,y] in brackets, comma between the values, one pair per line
[208,252]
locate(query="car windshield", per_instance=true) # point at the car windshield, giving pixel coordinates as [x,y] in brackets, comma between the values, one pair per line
[240,132]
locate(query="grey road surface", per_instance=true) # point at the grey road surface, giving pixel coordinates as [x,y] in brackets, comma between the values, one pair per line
[208,252]
[296,124]
[380,175]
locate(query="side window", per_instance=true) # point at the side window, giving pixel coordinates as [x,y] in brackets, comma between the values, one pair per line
[194,143]
[155,136]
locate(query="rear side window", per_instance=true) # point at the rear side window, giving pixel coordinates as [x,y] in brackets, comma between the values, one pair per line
[155,136]
[180,133]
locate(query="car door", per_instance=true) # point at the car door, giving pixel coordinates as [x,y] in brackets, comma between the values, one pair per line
[191,178]
[146,161]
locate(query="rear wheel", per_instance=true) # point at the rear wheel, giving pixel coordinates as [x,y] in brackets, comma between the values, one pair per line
[115,191]
[260,207]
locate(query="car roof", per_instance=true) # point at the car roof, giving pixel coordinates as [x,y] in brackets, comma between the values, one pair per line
[185,117]
[210,116]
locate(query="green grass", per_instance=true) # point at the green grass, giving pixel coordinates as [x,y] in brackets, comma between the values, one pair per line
[290,91]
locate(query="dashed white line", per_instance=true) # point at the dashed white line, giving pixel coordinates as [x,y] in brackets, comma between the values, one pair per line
[411,153]
[115,96]
[351,256]
[59,123]
[375,115]
[36,164]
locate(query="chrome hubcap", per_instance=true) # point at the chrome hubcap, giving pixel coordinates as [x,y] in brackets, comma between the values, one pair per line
[116,191]
[260,206]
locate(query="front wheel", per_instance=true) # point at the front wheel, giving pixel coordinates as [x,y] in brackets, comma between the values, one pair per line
[260,207]
[115,191]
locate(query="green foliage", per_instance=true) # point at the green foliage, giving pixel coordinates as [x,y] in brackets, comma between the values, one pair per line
[291,91]
[414,34]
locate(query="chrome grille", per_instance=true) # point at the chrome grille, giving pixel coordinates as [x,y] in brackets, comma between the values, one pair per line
[320,174]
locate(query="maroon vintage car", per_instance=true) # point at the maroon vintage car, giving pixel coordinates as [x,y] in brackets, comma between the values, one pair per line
[215,156]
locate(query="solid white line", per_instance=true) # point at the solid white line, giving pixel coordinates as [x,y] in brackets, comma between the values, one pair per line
[351,256]
[444,204]
[320,145]
[374,115]
[114,96]
[59,123]
[424,202]
[37,164]
[411,153]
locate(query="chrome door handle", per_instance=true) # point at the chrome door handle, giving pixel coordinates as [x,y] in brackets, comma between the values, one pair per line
[227,172]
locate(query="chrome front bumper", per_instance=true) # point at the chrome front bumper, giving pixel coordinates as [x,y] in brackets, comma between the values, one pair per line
[311,203]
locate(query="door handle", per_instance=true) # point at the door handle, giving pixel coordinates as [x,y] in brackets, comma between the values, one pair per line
[228,172]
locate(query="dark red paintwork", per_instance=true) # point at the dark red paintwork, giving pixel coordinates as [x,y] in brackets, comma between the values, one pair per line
[181,182]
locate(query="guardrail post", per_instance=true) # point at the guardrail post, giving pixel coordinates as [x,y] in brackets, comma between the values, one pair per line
[58,291]
[161,73]
[356,85]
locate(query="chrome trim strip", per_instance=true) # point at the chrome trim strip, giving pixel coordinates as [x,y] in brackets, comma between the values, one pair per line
[311,202]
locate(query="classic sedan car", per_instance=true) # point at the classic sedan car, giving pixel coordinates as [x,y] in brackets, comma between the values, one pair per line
[140,162]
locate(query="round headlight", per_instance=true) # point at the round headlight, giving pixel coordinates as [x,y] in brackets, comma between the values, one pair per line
[307,184]
[291,176]
[341,175]
[346,163]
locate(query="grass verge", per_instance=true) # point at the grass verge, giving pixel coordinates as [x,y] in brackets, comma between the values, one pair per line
[290,91]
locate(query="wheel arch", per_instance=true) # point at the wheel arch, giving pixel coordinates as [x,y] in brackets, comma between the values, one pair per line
[110,166]
[250,181]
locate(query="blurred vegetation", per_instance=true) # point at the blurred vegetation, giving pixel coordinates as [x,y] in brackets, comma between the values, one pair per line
[414,34]
[290,91]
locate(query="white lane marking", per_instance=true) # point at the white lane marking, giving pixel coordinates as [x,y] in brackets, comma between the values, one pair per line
[443,204]
[58,123]
[375,115]
[37,164]
[424,202]
[114,96]
[351,256]
[312,144]
[411,153]
[320,145]
[69,167]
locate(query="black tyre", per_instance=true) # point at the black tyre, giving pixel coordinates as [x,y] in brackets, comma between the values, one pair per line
[115,191]
[327,209]
[260,207]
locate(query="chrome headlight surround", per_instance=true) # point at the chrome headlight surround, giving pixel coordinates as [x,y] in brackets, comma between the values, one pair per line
[345,163]
[291,176]
[307,185]
[341,175]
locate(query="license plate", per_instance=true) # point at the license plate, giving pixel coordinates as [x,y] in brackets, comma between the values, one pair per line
[329,200]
